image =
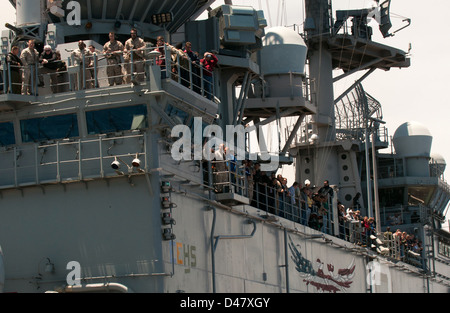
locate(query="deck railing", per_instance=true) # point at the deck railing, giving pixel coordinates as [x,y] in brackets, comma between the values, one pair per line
[72,160]
[230,176]
[91,72]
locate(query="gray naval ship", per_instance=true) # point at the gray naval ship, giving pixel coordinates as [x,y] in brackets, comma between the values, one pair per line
[163,180]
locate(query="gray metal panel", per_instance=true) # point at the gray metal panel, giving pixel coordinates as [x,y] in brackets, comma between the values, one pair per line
[107,235]
[140,10]
[203,35]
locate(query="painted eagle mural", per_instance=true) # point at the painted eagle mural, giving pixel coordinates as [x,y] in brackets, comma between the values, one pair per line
[330,282]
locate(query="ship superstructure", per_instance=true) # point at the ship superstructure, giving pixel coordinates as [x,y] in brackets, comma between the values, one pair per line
[126,188]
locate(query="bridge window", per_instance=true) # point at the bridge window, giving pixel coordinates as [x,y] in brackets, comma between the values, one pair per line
[178,115]
[49,127]
[390,197]
[116,119]
[444,248]
[7,134]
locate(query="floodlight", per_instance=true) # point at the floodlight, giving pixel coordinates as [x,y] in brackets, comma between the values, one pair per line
[136,162]
[115,164]
[161,18]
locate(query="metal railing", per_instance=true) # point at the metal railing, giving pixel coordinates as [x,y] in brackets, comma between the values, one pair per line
[401,215]
[92,72]
[400,249]
[70,161]
[193,76]
[231,177]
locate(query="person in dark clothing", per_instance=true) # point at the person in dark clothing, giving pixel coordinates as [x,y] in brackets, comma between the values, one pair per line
[355,203]
[325,190]
[15,65]
[49,61]
[195,61]
[314,222]
[257,185]
[262,183]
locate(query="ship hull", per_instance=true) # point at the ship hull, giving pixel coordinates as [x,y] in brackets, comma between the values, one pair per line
[113,229]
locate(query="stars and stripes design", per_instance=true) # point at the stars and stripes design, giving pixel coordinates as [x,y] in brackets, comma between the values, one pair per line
[330,281]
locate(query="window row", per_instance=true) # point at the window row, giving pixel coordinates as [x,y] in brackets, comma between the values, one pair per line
[444,248]
[66,126]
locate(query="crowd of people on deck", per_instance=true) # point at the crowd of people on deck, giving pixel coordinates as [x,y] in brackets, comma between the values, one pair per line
[267,191]
[125,63]
[409,247]
[307,205]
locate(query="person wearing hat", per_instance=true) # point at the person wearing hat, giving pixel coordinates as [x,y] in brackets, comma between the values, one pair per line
[135,46]
[113,51]
[342,221]
[209,62]
[80,55]
[349,215]
[48,59]
[352,224]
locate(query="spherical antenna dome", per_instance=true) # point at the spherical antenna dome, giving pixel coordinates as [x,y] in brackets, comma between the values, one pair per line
[284,51]
[437,163]
[282,35]
[412,139]
[411,129]
[437,158]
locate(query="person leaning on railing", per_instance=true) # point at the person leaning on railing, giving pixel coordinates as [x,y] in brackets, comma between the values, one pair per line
[136,46]
[249,170]
[195,61]
[161,60]
[48,59]
[15,66]
[342,220]
[293,200]
[209,62]
[113,51]
[91,64]
[80,55]
[61,74]
[220,175]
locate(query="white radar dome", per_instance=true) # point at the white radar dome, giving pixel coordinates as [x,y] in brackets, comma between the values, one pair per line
[437,158]
[284,51]
[412,139]
[437,162]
